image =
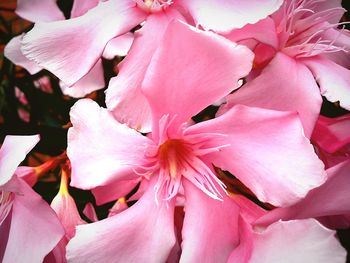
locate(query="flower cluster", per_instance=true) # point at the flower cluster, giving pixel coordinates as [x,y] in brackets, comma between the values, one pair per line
[209,143]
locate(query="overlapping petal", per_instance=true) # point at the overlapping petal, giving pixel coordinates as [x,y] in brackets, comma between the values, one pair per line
[334,80]
[197,72]
[84,41]
[35,229]
[268,153]
[101,150]
[39,11]
[124,91]
[331,198]
[142,233]
[223,16]
[210,228]
[13,151]
[285,85]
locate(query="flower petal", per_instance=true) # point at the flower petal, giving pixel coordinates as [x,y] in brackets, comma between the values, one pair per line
[297,241]
[142,233]
[118,46]
[101,150]
[334,80]
[210,228]
[84,38]
[331,134]
[80,7]
[13,151]
[263,31]
[185,66]
[93,80]
[39,11]
[331,198]
[284,85]
[35,228]
[124,90]
[268,153]
[113,191]
[13,52]
[232,13]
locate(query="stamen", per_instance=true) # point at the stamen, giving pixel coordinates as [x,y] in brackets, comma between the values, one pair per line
[6,200]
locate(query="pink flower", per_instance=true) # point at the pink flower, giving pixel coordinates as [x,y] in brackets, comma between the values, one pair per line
[298,48]
[85,37]
[178,157]
[27,224]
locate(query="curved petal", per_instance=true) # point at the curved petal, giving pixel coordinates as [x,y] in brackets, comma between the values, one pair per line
[113,191]
[118,46]
[331,198]
[232,13]
[13,52]
[284,85]
[13,151]
[263,31]
[80,7]
[101,150]
[35,229]
[93,80]
[334,80]
[185,67]
[268,153]
[84,38]
[124,90]
[331,134]
[297,241]
[142,233]
[39,11]
[210,228]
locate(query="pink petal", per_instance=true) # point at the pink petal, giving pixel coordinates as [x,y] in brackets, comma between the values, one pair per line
[84,39]
[13,52]
[263,31]
[13,151]
[124,91]
[297,241]
[64,206]
[334,80]
[331,134]
[232,14]
[27,174]
[92,81]
[35,229]
[89,212]
[268,153]
[284,85]
[118,46]
[80,7]
[210,228]
[39,11]
[142,233]
[101,150]
[205,74]
[114,190]
[331,198]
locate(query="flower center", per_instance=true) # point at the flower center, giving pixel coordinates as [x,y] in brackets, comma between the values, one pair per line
[176,154]
[153,5]
[303,31]
[6,200]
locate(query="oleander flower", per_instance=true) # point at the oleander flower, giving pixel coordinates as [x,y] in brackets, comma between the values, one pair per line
[178,157]
[27,224]
[300,55]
